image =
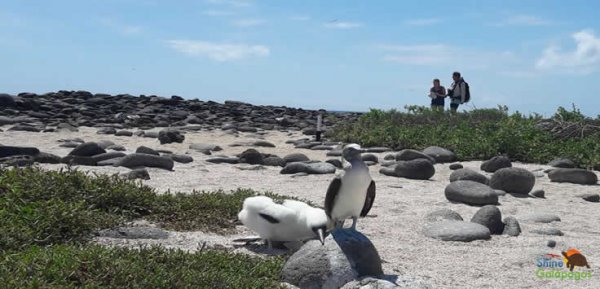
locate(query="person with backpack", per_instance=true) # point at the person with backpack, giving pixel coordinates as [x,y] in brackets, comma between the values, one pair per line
[458,92]
[437,94]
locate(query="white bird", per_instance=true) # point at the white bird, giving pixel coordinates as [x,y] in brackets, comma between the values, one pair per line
[286,222]
[351,195]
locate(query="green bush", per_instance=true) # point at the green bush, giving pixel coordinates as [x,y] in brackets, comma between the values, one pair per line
[40,207]
[480,134]
[94,266]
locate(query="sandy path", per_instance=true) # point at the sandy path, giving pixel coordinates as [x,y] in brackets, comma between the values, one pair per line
[396,220]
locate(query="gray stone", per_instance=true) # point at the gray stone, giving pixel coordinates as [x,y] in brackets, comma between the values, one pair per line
[184,159]
[87,149]
[137,160]
[389,157]
[322,148]
[495,164]
[205,147]
[17,161]
[146,150]
[320,168]
[551,243]
[468,175]
[134,233]
[334,153]
[377,149]
[109,162]
[105,143]
[150,134]
[541,218]
[417,169]
[124,133]
[562,163]
[251,156]
[273,161]
[347,255]
[513,180]
[538,194]
[140,173]
[262,143]
[442,214]
[7,151]
[119,148]
[490,217]
[79,160]
[223,160]
[7,100]
[335,162]
[456,231]
[410,154]
[575,176]
[166,136]
[107,130]
[247,129]
[548,232]
[511,227]
[108,156]
[47,158]
[23,127]
[594,198]
[455,166]
[439,154]
[295,157]
[66,127]
[471,193]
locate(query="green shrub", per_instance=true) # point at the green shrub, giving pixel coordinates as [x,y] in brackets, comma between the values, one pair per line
[479,134]
[94,266]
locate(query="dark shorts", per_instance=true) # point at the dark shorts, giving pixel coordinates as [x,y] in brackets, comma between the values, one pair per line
[454,103]
[437,101]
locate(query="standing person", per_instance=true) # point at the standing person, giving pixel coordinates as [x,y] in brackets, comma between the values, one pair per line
[457,92]
[437,94]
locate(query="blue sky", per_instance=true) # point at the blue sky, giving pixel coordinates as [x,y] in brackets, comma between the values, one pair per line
[532,56]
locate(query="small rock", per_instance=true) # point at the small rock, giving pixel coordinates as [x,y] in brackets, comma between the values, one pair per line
[455,166]
[108,156]
[137,160]
[594,198]
[513,180]
[262,143]
[335,162]
[87,149]
[410,154]
[541,218]
[251,156]
[490,217]
[273,161]
[468,175]
[205,147]
[223,160]
[471,193]
[575,176]
[124,133]
[495,164]
[548,232]
[295,157]
[79,160]
[184,159]
[456,231]
[140,173]
[439,154]
[7,151]
[166,136]
[511,227]
[562,163]
[47,158]
[538,194]
[320,168]
[551,243]
[107,130]
[119,148]
[442,214]
[417,169]
[17,161]
[146,150]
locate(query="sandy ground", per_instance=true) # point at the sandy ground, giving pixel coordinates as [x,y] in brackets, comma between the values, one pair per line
[395,221]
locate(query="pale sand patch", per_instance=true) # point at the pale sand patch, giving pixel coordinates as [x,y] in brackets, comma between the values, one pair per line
[396,220]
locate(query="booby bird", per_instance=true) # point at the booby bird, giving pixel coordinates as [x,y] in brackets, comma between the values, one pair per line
[351,195]
[288,221]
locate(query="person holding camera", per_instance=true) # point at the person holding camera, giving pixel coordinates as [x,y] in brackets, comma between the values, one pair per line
[457,91]
[437,94]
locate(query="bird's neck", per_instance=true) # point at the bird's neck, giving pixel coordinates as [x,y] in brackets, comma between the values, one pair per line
[357,163]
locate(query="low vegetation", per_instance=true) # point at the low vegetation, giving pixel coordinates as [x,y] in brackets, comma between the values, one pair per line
[48,217]
[482,133]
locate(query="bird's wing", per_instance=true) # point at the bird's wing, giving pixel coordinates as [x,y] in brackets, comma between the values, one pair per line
[276,213]
[332,191]
[369,199]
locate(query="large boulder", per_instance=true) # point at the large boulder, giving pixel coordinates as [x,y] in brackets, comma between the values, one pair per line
[87,149]
[417,169]
[468,175]
[145,160]
[251,156]
[346,256]
[7,151]
[410,154]
[575,176]
[166,136]
[439,154]
[490,217]
[7,100]
[513,180]
[456,231]
[471,193]
[495,164]
[562,163]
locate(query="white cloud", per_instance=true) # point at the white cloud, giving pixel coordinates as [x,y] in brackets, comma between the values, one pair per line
[343,25]
[124,29]
[441,54]
[523,20]
[219,51]
[584,59]
[423,21]
[248,22]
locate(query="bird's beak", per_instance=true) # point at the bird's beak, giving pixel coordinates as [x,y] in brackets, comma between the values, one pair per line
[321,238]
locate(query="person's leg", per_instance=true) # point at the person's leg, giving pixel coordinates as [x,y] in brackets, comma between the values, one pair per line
[453,107]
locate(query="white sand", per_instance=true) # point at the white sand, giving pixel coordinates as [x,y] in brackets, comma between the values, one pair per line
[396,220]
